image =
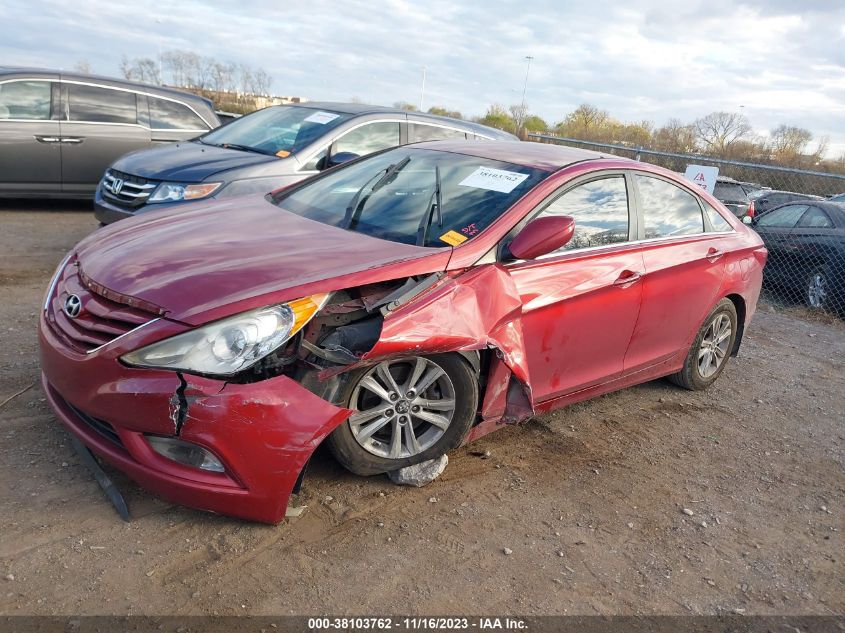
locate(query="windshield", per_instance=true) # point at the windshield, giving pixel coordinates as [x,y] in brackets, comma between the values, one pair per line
[415,196]
[279,130]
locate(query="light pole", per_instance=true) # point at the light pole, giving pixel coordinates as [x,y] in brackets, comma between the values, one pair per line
[524,87]
[422,93]
[160,78]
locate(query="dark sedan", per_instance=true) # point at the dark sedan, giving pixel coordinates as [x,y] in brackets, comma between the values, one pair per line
[767,199]
[806,242]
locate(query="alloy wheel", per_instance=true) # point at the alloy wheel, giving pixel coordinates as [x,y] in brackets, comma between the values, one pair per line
[403,407]
[714,345]
[817,290]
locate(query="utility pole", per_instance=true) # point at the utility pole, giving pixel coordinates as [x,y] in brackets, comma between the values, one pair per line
[524,87]
[422,93]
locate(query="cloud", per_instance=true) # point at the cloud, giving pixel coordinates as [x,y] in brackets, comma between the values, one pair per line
[637,59]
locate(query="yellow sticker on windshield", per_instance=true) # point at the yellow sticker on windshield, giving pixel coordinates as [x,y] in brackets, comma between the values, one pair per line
[283,153]
[453,238]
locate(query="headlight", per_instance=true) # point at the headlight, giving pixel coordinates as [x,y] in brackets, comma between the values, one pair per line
[226,347]
[174,192]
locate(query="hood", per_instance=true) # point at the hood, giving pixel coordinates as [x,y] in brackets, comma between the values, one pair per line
[218,258]
[187,162]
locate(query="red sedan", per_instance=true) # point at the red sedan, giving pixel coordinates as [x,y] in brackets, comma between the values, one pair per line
[394,307]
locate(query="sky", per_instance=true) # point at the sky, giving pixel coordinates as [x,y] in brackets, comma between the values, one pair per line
[776,61]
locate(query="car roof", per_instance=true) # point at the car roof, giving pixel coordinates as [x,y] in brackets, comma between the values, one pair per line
[358,109]
[46,73]
[535,155]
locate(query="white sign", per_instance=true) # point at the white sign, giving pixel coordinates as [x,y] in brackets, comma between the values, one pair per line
[493,179]
[704,177]
[322,117]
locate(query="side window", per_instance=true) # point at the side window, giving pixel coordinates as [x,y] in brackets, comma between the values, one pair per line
[718,223]
[101,105]
[369,138]
[667,209]
[815,218]
[420,132]
[25,100]
[600,209]
[170,115]
[784,217]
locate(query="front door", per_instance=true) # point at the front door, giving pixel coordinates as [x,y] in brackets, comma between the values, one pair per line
[580,304]
[101,126]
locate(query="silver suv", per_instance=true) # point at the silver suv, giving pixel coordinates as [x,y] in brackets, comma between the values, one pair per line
[59,131]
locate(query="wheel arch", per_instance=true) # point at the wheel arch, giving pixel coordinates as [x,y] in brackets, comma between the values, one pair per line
[741,311]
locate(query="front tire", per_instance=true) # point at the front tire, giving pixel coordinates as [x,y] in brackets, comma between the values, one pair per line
[710,350]
[407,411]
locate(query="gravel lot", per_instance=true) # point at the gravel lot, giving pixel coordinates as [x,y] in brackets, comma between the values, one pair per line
[648,501]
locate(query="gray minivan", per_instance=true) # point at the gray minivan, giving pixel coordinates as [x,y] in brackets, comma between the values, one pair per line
[59,131]
[265,150]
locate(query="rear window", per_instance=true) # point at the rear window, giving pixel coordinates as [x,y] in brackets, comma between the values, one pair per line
[93,104]
[421,132]
[729,191]
[668,210]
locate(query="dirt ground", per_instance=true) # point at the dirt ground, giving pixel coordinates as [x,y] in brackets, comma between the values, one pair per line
[589,501]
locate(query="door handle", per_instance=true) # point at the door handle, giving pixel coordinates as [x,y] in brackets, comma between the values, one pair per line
[714,254]
[627,278]
[47,139]
[76,140]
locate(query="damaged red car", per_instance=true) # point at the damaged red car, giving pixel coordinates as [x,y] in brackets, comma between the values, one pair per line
[394,307]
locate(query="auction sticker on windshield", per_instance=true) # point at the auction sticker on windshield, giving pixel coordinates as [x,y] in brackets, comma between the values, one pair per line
[493,179]
[321,117]
[453,238]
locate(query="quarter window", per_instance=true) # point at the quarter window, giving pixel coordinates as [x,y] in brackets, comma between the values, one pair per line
[93,104]
[25,100]
[170,115]
[784,217]
[718,223]
[433,133]
[600,210]
[369,138]
[667,209]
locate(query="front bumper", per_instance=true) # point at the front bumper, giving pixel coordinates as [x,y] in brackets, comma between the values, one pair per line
[263,433]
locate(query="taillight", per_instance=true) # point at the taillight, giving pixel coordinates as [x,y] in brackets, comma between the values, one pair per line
[750,212]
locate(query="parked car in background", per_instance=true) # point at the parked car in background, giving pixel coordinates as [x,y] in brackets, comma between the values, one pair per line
[765,199]
[395,307]
[265,150]
[732,194]
[59,131]
[839,197]
[806,242]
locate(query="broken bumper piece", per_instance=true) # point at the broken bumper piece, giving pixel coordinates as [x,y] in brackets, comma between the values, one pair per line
[262,433]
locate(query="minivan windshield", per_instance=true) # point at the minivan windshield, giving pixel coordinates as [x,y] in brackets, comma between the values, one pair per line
[414,196]
[278,130]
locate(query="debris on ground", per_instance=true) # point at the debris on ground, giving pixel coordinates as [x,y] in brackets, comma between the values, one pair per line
[421,474]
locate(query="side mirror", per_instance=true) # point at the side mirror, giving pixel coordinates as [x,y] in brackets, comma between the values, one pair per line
[542,236]
[747,219]
[340,158]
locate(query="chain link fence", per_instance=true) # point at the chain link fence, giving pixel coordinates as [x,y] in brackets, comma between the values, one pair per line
[791,209]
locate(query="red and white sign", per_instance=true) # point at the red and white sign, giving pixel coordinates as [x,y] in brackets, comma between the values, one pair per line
[704,177]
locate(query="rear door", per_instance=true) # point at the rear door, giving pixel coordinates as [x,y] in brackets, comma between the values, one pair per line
[774,228]
[170,120]
[684,267]
[30,152]
[100,125]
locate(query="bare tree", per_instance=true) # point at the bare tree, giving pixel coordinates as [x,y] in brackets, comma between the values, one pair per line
[788,141]
[675,136]
[518,112]
[717,131]
[404,105]
[82,66]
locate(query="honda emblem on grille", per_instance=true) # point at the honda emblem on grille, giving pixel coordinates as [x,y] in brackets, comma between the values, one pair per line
[116,185]
[73,306]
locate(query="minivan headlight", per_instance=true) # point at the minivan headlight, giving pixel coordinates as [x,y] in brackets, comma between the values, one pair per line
[175,192]
[231,345]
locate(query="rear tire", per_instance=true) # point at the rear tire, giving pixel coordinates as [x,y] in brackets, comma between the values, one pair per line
[407,411]
[710,350]
[817,289]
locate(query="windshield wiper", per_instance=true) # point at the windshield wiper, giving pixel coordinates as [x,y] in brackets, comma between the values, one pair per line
[434,202]
[356,205]
[244,148]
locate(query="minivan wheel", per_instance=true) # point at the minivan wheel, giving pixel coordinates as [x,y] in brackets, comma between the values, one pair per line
[710,350]
[407,411]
